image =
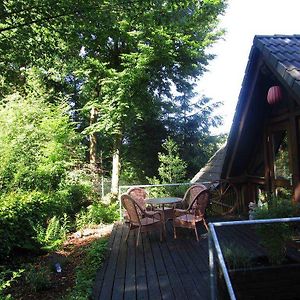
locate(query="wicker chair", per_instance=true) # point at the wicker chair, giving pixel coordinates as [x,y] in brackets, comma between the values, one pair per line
[139,195]
[193,214]
[189,197]
[144,222]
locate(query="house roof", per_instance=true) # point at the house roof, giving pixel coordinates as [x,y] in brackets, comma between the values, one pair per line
[212,170]
[272,60]
[282,54]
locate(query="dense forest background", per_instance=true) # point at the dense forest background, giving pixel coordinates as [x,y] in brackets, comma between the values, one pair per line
[92,89]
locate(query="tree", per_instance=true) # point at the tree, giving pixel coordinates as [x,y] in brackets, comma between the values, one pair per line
[147,48]
[172,168]
[189,125]
[124,55]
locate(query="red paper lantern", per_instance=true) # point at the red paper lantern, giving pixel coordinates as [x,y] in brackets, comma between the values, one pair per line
[274,94]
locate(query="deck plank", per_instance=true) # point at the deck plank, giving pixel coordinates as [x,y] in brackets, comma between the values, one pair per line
[140,271]
[163,279]
[174,278]
[152,278]
[130,280]
[119,282]
[171,269]
[107,286]
[101,272]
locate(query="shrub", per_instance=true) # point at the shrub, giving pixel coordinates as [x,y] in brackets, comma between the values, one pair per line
[97,213]
[7,277]
[237,256]
[39,150]
[22,211]
[18,211]
[274,236]
[37,144]
[38,279]
[51,237]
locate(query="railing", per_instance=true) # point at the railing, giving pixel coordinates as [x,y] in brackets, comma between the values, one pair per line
[215,251]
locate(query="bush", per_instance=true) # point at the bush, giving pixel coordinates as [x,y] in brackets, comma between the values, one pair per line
[7,277]
[54,235]
[97,213]
[18,211]
[22,212]
[38,279]
[274,236]
[39,151]
[237,256]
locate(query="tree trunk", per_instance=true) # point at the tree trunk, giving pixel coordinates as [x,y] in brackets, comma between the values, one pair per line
[93,143]
[116,166]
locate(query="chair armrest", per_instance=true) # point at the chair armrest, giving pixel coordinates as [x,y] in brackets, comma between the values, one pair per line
[152,213]
[180,205]
[179,212]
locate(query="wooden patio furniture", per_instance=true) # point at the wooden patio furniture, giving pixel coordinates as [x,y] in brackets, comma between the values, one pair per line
[139,218]
[195,213]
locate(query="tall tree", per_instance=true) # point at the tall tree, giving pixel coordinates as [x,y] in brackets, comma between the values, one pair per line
[189,125]
[148,47]
[126,55]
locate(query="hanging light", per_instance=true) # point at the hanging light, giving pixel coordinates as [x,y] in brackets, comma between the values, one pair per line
[274,94]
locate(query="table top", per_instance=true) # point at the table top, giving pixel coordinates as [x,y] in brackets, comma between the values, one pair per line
[163,200]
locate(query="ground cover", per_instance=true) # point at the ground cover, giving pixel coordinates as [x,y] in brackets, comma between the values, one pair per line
[79,259]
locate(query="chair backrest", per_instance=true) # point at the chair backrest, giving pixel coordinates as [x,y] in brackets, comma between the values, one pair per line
[192,193]
[132,209]
[139,195]
[201,202]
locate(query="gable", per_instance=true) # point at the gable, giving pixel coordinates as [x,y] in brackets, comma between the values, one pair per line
[273,60]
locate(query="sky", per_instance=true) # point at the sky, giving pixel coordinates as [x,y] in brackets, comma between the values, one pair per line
[243,20]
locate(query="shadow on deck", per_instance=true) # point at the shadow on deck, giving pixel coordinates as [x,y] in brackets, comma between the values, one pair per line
[172,269]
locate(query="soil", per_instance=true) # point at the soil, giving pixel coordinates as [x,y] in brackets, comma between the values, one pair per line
[57,284]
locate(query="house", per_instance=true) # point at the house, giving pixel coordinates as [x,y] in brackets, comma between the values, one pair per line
[262,153]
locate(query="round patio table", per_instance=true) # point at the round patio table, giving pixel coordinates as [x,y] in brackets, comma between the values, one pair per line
[167,213]
[163,200]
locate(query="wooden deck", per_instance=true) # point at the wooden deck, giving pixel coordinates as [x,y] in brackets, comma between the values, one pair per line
[172,269]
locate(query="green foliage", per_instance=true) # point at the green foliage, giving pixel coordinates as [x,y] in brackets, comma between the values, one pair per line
[172,168]
[156,191]
[38,278]
[39,149]
[237,256]
[54,234]
[97,213]
[190,124]
[36,144]
[86,272]
[123,58]
[18,211]
[7,277]
[274,236]
[21,211]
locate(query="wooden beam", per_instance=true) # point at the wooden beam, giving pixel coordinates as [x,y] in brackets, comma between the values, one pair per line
[244,115]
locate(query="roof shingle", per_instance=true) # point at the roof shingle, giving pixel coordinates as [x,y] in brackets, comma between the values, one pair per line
[283,54]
